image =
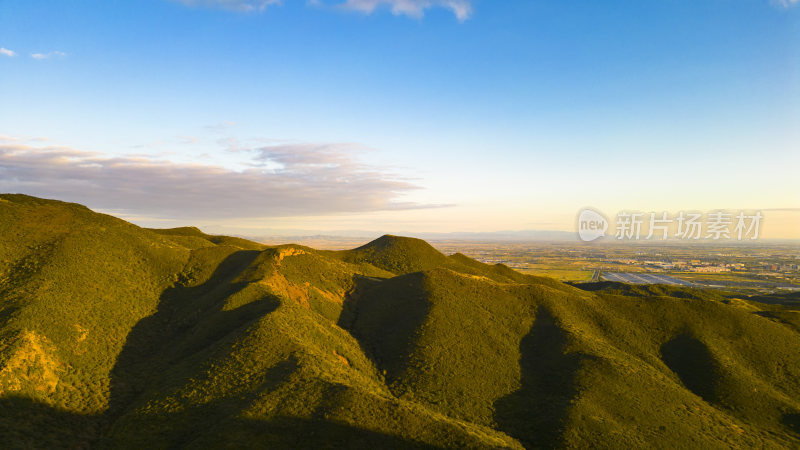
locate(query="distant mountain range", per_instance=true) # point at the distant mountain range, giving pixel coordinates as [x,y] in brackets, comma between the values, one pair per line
[362,235]
[116,336]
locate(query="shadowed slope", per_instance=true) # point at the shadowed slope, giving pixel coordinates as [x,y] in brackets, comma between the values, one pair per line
[536,412]
[188,320]
[693,363]
[385,317]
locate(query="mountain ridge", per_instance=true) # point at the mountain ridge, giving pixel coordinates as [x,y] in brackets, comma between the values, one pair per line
[176,338]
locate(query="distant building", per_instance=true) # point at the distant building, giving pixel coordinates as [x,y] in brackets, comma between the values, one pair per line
[712,269]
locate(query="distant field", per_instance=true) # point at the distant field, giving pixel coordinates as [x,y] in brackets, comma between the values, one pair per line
[559,274]
[729,277]
[747,281]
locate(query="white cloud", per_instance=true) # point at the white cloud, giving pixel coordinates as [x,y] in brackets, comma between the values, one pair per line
[48,55]
[6,52]
[279,180]
[785,3]
[413,8]
[234,5]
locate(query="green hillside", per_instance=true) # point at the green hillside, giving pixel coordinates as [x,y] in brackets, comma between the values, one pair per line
[115,336]
[395,254]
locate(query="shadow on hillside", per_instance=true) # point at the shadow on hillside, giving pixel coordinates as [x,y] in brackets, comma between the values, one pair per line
[224,428]
[223,423]
[189,319]
[352,300]
[7,312]
[694,364]
[295,433]
[535,413]
[788,318]
[791,299]
[371,315]
[26,424]
[792,421]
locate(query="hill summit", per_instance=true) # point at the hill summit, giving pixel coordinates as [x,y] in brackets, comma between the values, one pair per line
[397,254]
[116,336]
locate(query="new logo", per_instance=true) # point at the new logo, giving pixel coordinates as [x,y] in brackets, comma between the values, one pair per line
[591,225]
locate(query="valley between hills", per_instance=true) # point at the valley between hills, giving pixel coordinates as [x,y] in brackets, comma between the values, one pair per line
[116,336]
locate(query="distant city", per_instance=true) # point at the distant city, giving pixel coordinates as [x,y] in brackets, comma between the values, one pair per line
[763,267]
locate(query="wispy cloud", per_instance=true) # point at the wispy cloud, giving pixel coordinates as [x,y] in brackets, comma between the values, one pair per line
[6,52]
[785,3]
[282,180]
[413,8]
[48,55]
[462,9]
[234,5]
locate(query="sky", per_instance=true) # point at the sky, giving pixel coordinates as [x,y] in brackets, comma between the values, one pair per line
[267,116]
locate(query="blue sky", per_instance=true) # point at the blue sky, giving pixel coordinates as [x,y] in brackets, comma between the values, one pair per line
[401,115]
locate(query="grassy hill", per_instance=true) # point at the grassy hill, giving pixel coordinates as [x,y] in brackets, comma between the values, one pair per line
[115,336]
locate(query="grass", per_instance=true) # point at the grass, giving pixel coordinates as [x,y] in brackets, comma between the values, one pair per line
[115,336]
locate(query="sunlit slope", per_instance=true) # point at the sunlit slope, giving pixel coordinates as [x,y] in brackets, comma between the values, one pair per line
[73,284]
[398,255]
